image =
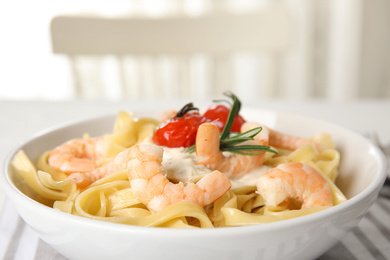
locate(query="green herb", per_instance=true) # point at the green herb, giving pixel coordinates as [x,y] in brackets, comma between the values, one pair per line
[232,114]
[229,141]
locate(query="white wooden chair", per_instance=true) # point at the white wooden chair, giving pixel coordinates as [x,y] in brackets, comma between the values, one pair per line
[177,56]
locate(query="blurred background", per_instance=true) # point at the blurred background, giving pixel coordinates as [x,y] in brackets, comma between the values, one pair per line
[339,50]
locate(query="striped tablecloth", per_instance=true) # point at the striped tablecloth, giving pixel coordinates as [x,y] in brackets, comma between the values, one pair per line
[369,240]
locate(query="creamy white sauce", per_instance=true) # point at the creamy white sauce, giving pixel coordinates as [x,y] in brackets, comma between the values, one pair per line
[182,166]
[250,178]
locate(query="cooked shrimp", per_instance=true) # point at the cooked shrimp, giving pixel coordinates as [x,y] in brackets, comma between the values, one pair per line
[149,182]
[118,163]
[78,155]
[151,186]
[294,181]
[208,152]
[285,141]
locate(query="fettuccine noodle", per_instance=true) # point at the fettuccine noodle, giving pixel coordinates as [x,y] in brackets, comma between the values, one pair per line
[111,198]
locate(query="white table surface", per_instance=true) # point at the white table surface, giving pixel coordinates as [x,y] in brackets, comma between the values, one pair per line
[19,120]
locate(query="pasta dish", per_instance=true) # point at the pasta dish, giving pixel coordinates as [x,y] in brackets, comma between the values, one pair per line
[187,170]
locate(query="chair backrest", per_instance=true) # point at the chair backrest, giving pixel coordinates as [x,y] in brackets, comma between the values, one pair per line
[167,56]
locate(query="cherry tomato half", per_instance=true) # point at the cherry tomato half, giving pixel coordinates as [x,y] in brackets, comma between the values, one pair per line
[179,131]
[219,114]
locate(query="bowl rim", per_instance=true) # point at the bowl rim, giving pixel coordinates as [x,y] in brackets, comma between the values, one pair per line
[15,194]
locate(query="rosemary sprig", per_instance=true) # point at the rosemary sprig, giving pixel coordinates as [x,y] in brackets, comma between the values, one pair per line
[232,114]
[230,144]
[229,141]
[237,138]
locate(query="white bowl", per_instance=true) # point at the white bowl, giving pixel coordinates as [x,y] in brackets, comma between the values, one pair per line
[362,173]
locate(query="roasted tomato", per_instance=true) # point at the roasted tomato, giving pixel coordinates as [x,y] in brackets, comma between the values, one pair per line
[179,130]
[219,114]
